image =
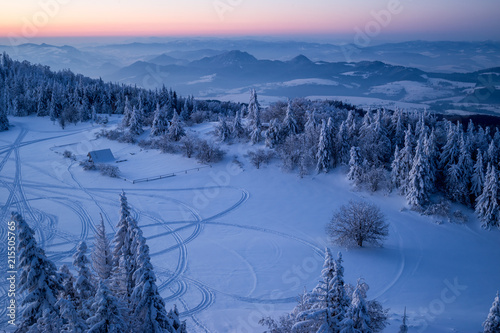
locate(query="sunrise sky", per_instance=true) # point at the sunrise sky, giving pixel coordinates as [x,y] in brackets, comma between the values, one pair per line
[422,19]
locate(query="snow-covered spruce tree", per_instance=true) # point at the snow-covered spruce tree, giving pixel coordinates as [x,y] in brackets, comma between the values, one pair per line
[487,204]
[4,121]
[107,314]
[254,109]
[290,126]
[160,122]
[477,180]
[84,284]
[332,148]
[176,129]
[493,153]
[71,320]
[355,166]
[492,322]
[451,150]
[357,318]
[122,282]
[102,260]
[136,121]
[357,223]
[403,328]
[256,134]
[222,130]
[323,155]
[68,283]
[419,180]
[396,169]
[127,113]
[458,175]
[405,161]
[273,133]
[68,302]
[185,111]
[342,144]
[317,316]
[432,153]
[340,299]
[149,314]
[310,130]
[237,130]
[178,325]
[39,281]
[398,128]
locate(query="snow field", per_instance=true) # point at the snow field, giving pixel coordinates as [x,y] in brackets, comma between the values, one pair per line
[231,245]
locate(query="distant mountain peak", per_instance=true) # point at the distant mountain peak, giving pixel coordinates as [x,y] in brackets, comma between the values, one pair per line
[301,59]
[230,58]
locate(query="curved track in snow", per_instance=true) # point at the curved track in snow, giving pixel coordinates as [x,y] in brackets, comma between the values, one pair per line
[175,283]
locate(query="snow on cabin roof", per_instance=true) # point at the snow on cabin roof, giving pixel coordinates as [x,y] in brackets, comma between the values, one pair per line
[101,156]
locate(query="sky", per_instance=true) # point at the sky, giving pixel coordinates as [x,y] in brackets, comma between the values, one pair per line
[378,19]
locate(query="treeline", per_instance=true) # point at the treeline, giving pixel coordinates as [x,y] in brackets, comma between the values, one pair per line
[27,89]
[114,289]
[413,152]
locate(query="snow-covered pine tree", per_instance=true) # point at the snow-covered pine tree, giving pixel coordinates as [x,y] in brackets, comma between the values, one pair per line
[355,166]
[419,180]
[39,281]
[107,312]
[102,260]
[493,153]
[222,130]
[273,133]
[176,129]
[357,317]
[332,147]
[237,130]
[4,121]
[432,153]
[185,111]
[396,169]
[136,120]
[148,306]
[127,113]
[317,315]
[84,284]
[68,283]
[290,126]
[68,302]
[311,130]
[487,204]
[322,155]
[256,134]
[254,109]
[160,122]
[477,180]
[342,144]
[403,328]
[123,263]
[398,128]
[492,322]
[451,150]
[178,325]
[405,162]
[352,128]
[339,298]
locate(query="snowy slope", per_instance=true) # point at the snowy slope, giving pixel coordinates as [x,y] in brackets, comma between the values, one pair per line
[232,244]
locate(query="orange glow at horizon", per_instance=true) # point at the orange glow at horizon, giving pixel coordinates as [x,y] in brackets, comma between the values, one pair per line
[53,18]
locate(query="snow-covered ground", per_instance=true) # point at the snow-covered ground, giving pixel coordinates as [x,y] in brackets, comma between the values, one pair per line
[231,243]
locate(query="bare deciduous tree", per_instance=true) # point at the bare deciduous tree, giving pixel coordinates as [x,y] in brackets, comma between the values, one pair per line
[357,223]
